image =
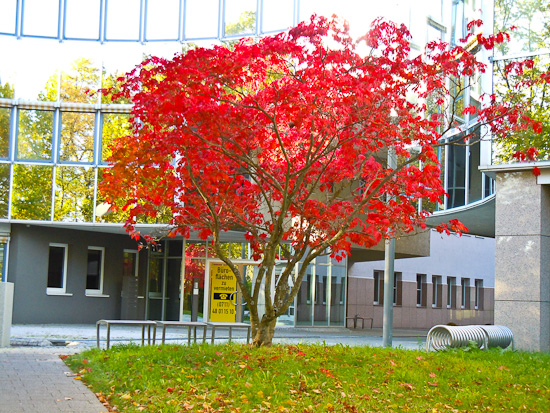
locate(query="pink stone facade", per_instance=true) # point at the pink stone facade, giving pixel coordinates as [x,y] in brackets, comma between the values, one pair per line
[408,314]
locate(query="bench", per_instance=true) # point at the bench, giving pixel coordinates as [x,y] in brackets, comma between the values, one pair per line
[142,323]
[355,318]
[188,324]
[230,326]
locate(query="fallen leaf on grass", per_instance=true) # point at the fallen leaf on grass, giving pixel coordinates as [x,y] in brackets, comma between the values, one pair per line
[407,386]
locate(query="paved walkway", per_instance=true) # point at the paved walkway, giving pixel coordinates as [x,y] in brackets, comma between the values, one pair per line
[34,379]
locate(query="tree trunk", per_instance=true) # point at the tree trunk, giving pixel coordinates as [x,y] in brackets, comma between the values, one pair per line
[263,332]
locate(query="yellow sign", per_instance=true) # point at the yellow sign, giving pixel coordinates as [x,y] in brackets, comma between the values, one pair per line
[223,284]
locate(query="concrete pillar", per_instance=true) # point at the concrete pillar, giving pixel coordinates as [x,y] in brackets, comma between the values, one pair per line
[6,308]
[522,259]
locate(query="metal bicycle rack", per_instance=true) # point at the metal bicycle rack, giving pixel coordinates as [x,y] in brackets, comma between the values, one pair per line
[442,337]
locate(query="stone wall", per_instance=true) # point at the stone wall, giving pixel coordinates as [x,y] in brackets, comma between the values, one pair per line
[522,259]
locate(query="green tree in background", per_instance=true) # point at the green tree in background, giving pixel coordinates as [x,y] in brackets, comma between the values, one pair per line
[531,19]
[74,184]
[531,22]
[245,25]
[6,92]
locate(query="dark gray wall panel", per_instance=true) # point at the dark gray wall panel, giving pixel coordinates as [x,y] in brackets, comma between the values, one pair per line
[28,267]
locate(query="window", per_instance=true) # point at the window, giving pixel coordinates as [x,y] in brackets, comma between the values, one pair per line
[130,263]
[82,19]
[4,189]
[123,20]
[458,24]
[397,289]
[201,10]
[74,194]
[310,293]
[40,18]
[465,284]
[378,287]
[436,291]
[451,292]
[94,272]
[77,136]
[34,141]
[421,290]
[57,270]
[5,120]
[163,20]
[32,192]
[479,294]
[112,126]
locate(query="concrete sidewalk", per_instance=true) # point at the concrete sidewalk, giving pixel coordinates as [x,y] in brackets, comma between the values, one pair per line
[34,379]
[83,336]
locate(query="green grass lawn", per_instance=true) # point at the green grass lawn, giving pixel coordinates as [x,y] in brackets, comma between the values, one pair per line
[313,378]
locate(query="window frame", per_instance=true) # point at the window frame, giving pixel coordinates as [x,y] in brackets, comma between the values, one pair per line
[437,289]
[421,290]
[465,289]
[378,291]
[93,292]
[135,253]
[63,289]
[451,292]
[478,294]
[397,291]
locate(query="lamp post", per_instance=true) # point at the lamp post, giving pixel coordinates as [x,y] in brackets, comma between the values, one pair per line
[389,275]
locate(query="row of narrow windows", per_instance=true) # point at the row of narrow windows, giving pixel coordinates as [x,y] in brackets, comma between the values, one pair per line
[471,291]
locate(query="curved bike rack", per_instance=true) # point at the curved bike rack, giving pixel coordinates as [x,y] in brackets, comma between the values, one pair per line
[442,337]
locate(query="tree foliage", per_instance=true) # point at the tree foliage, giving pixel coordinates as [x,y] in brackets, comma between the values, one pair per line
[531,34]
[286,139]
[530,20]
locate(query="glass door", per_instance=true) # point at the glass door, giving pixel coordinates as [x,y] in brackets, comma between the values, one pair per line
[155,288]
[164,282]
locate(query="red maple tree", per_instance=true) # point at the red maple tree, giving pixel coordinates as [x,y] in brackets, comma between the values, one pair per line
[286,139]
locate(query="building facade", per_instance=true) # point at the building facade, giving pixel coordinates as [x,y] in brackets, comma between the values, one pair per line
[453,285]
[72,264]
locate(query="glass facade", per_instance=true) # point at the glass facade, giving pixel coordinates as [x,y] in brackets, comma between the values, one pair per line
[143,20]
[322,297]
[320,302]
[52,160]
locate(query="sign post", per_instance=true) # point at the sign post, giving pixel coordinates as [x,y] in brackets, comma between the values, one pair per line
[223,284]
